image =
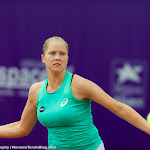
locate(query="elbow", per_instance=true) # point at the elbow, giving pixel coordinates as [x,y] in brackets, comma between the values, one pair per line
[123,110]
[26,133]
[119,110]
[23,131]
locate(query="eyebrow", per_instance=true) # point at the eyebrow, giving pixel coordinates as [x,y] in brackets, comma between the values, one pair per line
[51,50]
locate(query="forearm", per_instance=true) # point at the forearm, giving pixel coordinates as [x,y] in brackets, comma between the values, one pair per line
[12,130]
[130,115]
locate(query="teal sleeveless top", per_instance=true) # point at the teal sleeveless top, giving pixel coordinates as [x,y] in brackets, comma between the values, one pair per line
[68,120]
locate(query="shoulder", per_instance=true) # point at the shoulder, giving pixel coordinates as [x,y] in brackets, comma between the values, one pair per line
[35,87]
[80,82]
[33,91]
[81,86]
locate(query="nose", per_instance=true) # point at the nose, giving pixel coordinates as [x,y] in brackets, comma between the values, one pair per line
[57,57]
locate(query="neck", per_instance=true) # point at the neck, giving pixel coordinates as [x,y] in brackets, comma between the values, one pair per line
[55,80]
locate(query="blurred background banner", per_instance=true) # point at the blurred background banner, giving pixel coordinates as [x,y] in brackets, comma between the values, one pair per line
[109,43]
[128,81]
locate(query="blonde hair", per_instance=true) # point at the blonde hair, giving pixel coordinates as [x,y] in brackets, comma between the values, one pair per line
[45,45]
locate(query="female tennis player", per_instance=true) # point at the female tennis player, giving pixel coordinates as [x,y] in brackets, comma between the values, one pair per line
[62,103]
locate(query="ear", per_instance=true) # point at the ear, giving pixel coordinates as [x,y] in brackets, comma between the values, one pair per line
[67,60]
[42,57]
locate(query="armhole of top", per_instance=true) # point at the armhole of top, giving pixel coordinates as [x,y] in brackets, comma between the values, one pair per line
[80,100]
[38,99]
[72,77]
[40,93]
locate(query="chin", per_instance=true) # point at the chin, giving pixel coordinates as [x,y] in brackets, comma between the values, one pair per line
[57,70]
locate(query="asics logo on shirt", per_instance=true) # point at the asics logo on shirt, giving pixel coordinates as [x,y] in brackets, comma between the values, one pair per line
[65,101]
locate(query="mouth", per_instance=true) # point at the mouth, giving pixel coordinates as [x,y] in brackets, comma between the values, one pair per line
[57,64]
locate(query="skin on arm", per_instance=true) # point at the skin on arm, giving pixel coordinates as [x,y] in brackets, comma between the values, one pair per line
[28,119]
[85,89]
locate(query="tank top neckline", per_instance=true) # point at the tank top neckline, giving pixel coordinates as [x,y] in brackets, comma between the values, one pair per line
[59,86]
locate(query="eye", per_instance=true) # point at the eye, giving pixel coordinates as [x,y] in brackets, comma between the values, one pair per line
[62,53]
[52,53]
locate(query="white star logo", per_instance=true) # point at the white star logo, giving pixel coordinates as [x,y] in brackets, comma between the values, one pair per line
[129,73]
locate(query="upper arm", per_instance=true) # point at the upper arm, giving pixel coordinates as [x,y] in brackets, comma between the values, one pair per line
[29,115]
[98,95]
[90,90]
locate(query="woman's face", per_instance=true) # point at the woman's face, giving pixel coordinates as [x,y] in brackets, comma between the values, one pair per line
[56,56]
